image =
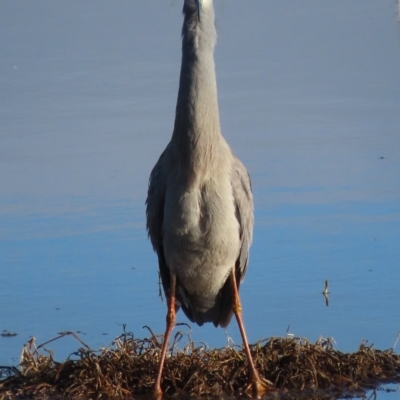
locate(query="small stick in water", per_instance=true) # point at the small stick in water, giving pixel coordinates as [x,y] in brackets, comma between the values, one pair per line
[326,291]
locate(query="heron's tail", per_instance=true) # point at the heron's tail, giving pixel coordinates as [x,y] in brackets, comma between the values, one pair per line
[200,309]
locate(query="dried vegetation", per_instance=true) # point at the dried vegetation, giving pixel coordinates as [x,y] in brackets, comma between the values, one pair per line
[127,369]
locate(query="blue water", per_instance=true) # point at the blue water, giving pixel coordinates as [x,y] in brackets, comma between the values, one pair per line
[310,100]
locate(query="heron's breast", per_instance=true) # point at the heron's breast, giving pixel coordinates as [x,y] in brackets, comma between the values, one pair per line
[201,236]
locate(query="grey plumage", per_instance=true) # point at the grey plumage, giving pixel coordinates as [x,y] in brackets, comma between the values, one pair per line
[199,203]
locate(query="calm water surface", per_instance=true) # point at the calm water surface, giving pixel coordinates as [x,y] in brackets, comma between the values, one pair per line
[309,98]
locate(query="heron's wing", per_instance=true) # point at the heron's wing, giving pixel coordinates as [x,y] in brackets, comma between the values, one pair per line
[155,215]
[243,197]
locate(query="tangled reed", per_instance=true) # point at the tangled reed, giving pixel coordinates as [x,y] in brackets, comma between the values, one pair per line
[127,369]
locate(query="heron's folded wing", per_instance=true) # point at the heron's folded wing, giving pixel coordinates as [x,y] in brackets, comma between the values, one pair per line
[241,186]
[155,216]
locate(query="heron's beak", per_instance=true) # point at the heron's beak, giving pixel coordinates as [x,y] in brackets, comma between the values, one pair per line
[198,5]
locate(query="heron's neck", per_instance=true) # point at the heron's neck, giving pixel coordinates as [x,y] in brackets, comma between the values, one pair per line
[197,126]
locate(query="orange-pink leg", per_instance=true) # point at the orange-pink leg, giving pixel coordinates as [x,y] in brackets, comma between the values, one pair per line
[258,386]
[171,316]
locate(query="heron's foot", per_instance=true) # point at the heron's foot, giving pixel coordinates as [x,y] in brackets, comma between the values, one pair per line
[157,393]
[259,387]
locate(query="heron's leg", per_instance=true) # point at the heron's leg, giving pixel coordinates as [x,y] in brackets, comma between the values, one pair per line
[171,314]
[258,385]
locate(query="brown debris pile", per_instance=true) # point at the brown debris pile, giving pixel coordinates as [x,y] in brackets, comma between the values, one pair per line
[129,366]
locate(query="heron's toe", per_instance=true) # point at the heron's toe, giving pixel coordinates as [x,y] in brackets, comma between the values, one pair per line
[259,387]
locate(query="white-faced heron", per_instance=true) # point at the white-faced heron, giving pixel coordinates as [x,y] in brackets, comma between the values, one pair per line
[199,203]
